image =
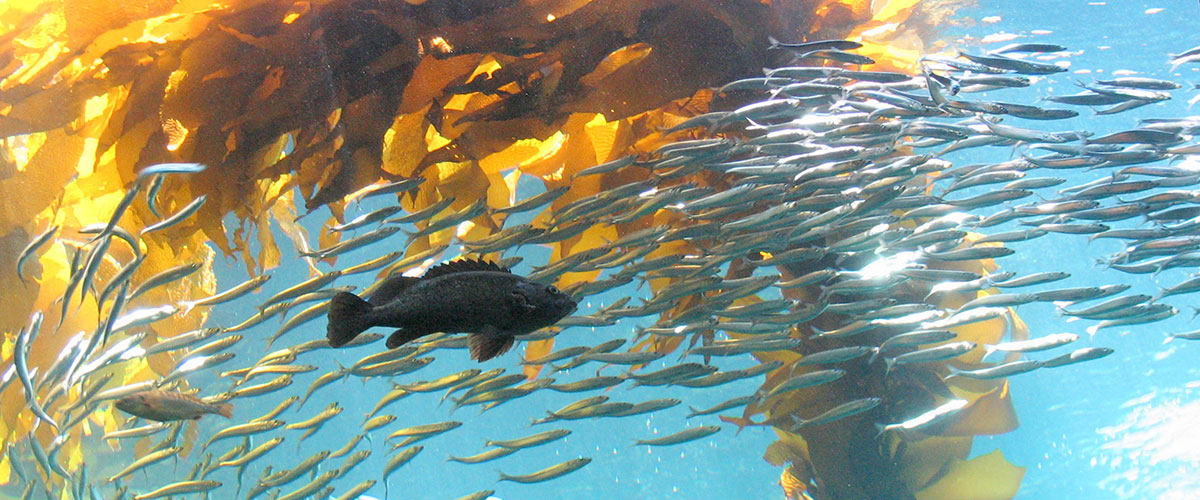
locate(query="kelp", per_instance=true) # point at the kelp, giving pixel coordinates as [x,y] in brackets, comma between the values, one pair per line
[328,99]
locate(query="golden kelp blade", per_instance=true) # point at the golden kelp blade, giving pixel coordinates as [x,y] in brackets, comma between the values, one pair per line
[96,90]
[986,477]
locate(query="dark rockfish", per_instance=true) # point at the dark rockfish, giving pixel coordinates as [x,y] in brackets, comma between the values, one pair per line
[468,296]
[165,406]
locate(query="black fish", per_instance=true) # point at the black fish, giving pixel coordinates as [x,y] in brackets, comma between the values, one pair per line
[469,296]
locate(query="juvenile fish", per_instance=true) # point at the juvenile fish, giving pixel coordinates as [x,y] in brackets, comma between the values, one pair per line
[532,440]
[549,473]
[237,291]
[938,353]
[485,456]
[725,405]
[166,406]
[681,437]
[1078,356]
[925,420]
[31,249]
[1031,345]
[180,488]
[998,371]
[838,412]
[177,217]
[396,461]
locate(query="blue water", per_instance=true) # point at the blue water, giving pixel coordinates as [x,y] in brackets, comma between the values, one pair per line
[1114,428]
[1120,427]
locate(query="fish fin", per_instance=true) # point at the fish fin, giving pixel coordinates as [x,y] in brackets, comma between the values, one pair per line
[347,318]
[391,288]
[225,410]
[462,266]
[403,336]
[485,347]
[988,350]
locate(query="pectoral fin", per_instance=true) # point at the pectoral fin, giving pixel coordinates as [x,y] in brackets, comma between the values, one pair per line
[485,347]
[403,336]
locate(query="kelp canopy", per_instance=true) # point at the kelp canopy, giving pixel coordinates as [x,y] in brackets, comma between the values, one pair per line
[329,99]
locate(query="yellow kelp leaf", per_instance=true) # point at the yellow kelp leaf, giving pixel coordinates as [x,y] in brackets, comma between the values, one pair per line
[549,163]
[500,191]
[989,413]
[81,316]
[982,332]
[793,487]
[986,477]
[918,461]
[625,55]
[284,217]
[794,443]
[87,19]
[534,350]
[606,137]
[510,182]
[19,298]
[778,454]
[404,144]
[41,182]
[467,184]
[268,252]
[327,237]
[5,469]
[519,152]
[897,58]
[1017,331]
[432,76]
[785,357]
[191,431]
[7,347]
[161,363]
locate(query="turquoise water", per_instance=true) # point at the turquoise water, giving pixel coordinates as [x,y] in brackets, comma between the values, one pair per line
[1120,427]
[1114,428]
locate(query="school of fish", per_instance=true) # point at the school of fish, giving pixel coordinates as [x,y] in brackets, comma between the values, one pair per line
[819,226]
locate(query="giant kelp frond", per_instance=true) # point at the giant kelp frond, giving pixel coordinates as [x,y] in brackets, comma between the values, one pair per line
[295,106]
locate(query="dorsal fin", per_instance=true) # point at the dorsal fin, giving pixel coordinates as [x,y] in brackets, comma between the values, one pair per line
[391,288]
[462,266]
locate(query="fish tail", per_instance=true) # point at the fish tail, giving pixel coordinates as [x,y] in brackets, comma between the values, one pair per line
[988,350]
[347,318]
[186,307]
[225,410]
